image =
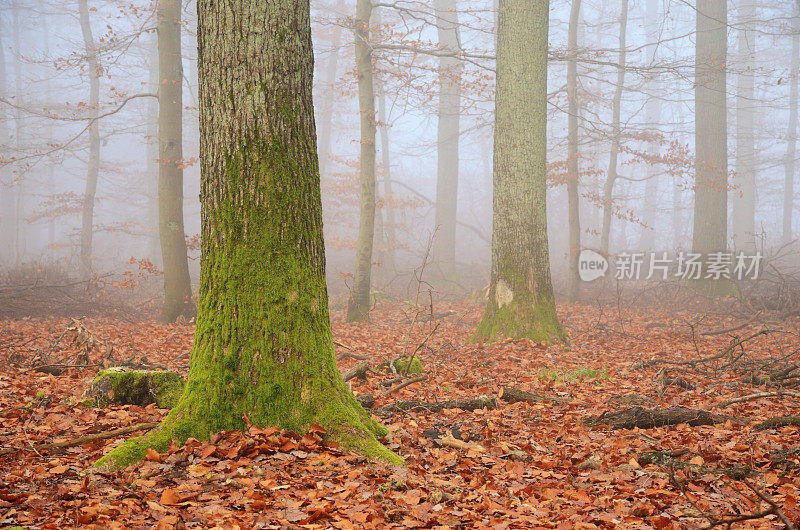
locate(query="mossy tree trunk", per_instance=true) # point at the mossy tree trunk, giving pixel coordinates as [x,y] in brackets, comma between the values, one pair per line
[177,284]
[263,343]
[573,167]
[449,113]
[358,304]
[87,216]
[520,291]
[711,131]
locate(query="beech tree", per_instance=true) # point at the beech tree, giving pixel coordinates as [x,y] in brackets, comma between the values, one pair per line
[93,170]
[520,290]
[263,347]
[711,133]
[359,302]
[177,284]
[573,197]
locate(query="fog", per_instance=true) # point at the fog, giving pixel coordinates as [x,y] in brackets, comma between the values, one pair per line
[46,120]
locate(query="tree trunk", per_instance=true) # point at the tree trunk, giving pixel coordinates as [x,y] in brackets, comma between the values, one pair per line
[152,164]
[87,220]
[711,150]
[611,177]
[520,291]
[7,180]
[744,197]
[791,135]
[19,200]
[653,117]
[263,349]
[389,222]
[177,284]
[444,247]
[329,84]
[359,303]
[573,169]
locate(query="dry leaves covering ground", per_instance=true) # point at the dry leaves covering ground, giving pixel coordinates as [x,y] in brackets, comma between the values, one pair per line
[519,465]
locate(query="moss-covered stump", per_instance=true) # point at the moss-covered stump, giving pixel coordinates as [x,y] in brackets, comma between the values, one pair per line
[408,365]
[134,387]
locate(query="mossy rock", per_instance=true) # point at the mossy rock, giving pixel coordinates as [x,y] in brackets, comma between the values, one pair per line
[117,386]
[402,365]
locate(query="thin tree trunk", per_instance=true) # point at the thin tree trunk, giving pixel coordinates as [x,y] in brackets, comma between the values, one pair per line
[177,284]
[329,103]
[653,118]
[263,351]
[152,157]
[744,198]
[7,213]
[573,167]
[791,136]
[87,220]
[710,231]
[389,222]
[711,156]
[359,303]
[611,177]
[520,291]
[449,111]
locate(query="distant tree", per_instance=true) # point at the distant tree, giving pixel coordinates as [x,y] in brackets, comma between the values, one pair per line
[358,304]
[520,290]
[711,132]
[263,349]
[448,114]
[744,195]
[93,170]
[177,284]
[616,132]
[573,164]
[791,135]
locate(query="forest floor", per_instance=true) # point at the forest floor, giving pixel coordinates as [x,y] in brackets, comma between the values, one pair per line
[523,464]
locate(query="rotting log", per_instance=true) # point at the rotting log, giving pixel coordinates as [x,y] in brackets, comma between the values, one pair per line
[513,395]
[780,421]
[467,404]
[650,418]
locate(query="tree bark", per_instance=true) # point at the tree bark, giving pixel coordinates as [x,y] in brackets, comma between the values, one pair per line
[744,197]
[616,107]
[573,164]
[520,291]
[358,304]
[263,350]
[92,172]
[791,135]
[711,132]
[177,284]
[449,111]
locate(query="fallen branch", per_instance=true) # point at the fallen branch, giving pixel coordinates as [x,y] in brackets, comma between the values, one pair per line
[88,438]
[513,395]
[449,441]
[759,395]
[468,404]
[780,421]
[359,370]
[405,384]
[650,418]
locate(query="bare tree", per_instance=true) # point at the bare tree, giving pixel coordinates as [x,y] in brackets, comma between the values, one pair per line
[616,107]
[92,172]
[573,177]
[791,135]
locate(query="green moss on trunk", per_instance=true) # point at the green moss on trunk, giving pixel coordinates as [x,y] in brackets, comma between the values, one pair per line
[262,345]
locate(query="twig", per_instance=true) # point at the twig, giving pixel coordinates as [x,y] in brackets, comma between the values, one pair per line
[404,384]
[88,438]
[758,396]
